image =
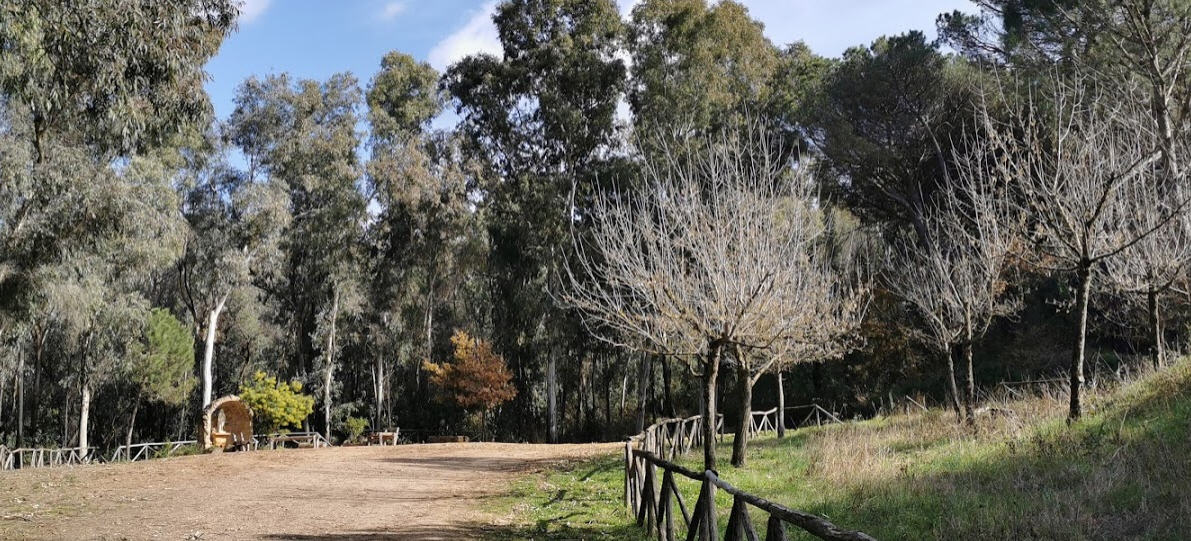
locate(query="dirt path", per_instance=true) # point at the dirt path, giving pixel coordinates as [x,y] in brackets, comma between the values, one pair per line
[405,492]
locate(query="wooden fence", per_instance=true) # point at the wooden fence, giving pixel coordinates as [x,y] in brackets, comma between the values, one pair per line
[143,451]
[15,459]
[652,503]
[41,457]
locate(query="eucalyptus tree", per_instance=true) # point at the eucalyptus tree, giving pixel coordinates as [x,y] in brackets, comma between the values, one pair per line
[703,262]
[699,64]
[1081,168]
[112,73]
[420,183]
[541,116]
[235,231]
[301,137]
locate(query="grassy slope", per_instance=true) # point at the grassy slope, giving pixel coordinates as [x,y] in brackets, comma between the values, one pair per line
[1122,473]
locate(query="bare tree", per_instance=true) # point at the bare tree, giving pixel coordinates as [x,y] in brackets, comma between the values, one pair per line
[704,259]
[1151,267]
[825,306]
[957,284]
[1082,166]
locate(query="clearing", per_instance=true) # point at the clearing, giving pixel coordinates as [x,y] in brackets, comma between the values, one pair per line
[433,491]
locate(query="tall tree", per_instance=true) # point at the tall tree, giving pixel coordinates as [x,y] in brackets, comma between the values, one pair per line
[698,65]
[884,120]
[301,136]
[542,117]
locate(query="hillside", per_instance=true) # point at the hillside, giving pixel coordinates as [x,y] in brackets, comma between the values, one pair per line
[1120,473]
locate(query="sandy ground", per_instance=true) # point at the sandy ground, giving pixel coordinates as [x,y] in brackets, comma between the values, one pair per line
[406,492]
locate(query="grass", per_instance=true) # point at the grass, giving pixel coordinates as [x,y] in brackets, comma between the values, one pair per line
[1123,472]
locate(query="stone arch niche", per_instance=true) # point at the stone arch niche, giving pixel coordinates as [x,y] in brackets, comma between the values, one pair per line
[226,424]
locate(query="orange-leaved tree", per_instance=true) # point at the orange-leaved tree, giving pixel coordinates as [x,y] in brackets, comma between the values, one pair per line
[479,378]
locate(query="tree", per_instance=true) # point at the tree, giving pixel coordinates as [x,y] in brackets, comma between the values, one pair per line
[1080,168]
[1151,267]
[542,119]
[824,306]
[957,285]
[136,65]
[276,404]
[881,120]
[698,264]
[302,137]
[699,64]
[235,231]
[479,378]
[161,370]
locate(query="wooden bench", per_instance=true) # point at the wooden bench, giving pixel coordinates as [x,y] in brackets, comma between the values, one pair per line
[384,438]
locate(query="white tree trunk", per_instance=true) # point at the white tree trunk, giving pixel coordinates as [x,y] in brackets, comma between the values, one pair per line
[84,416]
[209,351]
[328,376]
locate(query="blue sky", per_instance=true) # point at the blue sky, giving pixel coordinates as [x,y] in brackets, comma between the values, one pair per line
[317,38]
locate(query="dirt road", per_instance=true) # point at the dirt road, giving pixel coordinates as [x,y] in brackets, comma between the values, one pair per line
[348,493]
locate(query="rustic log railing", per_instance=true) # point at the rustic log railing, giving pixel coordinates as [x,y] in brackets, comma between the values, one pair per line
[763,421]
[41,457]
[144,451]
[815,415]
[655,508]
[652,503]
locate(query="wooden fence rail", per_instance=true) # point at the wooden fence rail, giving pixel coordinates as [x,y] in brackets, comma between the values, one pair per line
[38,457]
[42,457]
[652,502]
[143,451]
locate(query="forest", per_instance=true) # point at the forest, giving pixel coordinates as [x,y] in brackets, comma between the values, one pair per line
[633,218]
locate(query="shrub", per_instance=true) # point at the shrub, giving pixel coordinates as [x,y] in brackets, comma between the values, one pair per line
[355,427]
[276,405]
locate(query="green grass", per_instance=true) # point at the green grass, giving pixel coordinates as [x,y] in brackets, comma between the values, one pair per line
[1124,472]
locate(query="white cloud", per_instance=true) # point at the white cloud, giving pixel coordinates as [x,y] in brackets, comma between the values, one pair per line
[392,10]
[478,35]
[250,10]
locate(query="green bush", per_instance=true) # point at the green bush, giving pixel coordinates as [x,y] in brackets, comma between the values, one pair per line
[355,427]
[276,405]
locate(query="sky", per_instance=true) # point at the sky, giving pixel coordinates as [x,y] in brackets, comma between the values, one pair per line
[317,38]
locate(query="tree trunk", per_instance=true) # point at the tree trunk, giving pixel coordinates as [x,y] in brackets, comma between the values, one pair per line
[970,384]
[643,391]
[552,398]
[132,422]
[781,406]
[710,371]
[84,418]
[1157,346]
[667,384]
[20,392]
[329,373]
[745,395]
[378,376]
[209,351]
[951,382]
[1081,331]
